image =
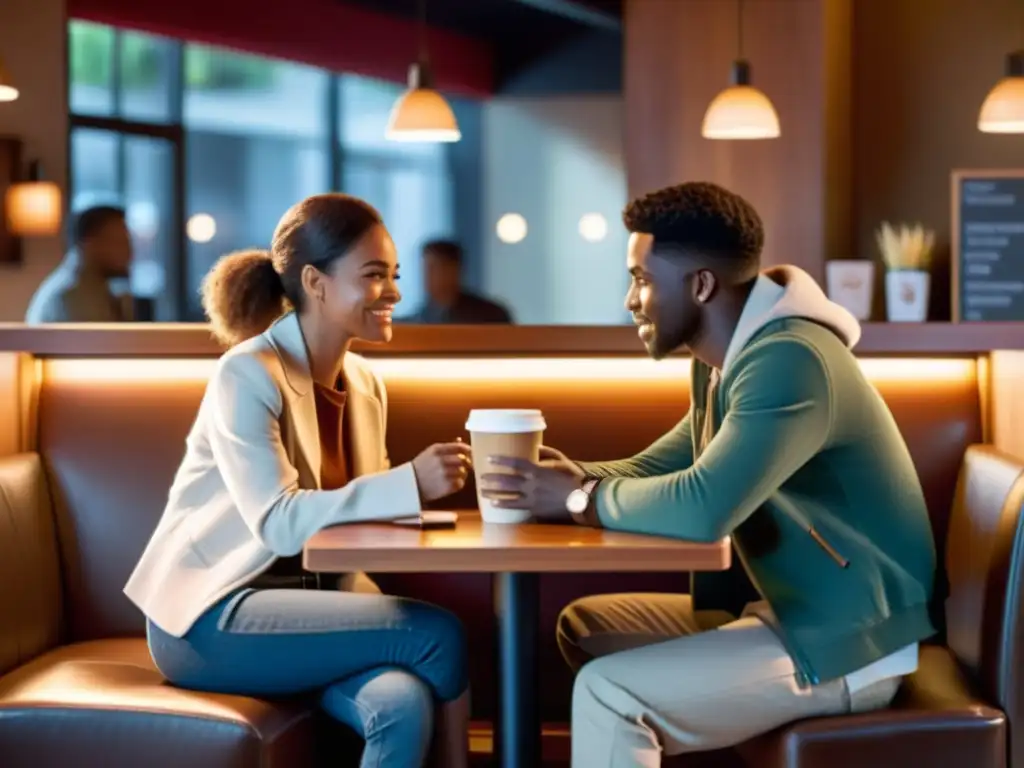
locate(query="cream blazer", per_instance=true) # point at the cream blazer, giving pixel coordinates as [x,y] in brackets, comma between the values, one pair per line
[248,490]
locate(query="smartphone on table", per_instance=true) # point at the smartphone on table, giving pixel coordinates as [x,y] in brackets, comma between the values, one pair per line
[430,520]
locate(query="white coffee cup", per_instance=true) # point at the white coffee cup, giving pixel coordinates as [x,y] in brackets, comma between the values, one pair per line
[503,432]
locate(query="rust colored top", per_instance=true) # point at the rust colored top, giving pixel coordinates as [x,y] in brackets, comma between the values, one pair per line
[335,468]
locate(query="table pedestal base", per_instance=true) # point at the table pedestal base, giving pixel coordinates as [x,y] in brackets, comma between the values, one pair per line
[517,732]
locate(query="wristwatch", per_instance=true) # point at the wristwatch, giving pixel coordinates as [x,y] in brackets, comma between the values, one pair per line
[578,503]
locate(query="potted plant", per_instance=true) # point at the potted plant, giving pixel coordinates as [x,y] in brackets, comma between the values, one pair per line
[907,254]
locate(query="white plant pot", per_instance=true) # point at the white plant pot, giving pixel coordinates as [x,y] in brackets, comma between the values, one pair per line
[906,295]
[851,284]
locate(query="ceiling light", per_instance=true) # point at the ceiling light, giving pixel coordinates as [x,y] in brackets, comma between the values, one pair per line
[7,90]
[1003,110]
[201,228]
[741,111]
[593,227]
[511,228]
[421,114]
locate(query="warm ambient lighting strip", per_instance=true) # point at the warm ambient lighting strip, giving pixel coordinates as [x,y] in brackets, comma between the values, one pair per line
[491,369]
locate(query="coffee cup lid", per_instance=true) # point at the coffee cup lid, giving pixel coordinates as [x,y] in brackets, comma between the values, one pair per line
[508,420]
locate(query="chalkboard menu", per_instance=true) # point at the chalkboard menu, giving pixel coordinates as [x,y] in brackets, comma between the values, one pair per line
[988,245]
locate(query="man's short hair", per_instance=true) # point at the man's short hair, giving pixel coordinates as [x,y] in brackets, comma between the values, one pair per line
[700,219]
[89,221]
[446,249]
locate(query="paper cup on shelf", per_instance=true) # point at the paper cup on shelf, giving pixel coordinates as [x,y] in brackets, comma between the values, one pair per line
[503,432]
[851,284]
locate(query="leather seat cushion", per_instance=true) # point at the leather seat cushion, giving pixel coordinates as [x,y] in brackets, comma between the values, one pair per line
[935,720]
[103,703]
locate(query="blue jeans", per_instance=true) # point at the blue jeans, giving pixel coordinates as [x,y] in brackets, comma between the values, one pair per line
[377,662]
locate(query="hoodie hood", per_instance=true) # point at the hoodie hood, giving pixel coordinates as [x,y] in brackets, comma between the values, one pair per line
[784,292]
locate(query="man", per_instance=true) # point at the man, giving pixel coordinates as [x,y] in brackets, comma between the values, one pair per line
[447,301]
[78,290]
[786,448]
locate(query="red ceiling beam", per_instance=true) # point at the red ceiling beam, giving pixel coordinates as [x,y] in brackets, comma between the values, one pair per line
[322,33]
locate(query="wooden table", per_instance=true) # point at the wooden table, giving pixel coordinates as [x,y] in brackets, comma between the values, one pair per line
[516,555]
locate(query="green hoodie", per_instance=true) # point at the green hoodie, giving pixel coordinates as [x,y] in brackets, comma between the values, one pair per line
[807,471]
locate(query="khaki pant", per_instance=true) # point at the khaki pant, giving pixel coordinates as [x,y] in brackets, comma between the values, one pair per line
[667,679]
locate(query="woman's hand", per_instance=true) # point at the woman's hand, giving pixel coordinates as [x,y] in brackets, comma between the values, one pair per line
[552,458]
[442,469]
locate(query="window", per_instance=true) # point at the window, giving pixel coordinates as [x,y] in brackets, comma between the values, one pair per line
[257,137]
[148,195]
[91,60]
[389,175]
[136,172]
[125,148]
[120,74]
[149,77]
[207,148]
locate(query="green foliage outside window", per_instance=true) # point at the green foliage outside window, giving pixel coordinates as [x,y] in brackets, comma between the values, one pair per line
[213,69]
[91,50]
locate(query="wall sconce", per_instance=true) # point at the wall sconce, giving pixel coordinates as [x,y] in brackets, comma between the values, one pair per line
[33,208]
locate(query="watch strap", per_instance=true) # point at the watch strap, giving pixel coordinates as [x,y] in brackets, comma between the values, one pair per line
[589,516]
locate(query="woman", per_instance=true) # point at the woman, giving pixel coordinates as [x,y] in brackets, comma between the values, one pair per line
[289,439]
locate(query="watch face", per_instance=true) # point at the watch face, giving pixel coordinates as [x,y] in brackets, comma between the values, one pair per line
[577,502]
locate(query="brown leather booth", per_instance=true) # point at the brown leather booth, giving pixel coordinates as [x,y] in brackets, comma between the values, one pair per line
[76,685]
[962,706]
[70,701]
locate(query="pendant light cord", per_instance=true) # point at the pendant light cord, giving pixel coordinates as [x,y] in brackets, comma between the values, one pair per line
[739,28]
[421,28]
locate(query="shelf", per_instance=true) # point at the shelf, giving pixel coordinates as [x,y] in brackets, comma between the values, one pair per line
[939,338]
[193,340]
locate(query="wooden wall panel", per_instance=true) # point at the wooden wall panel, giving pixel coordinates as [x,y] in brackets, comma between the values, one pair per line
[922,69]
[677,58]
[18,395]
[1005,402]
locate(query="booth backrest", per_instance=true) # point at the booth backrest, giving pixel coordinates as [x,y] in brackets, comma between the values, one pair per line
[30,584]
[984,619]
[112,435]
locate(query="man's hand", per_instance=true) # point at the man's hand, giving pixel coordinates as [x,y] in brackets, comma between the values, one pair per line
[525,485]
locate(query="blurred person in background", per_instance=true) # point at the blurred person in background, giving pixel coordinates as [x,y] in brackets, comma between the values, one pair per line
[78,290]
[448,301]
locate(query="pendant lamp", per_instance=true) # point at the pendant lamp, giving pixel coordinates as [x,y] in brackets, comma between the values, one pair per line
[422,114]
[741,111]
[7,90]
[1003,109]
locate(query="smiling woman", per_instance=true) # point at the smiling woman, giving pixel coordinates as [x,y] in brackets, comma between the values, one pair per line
[289,440]
[331,251]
